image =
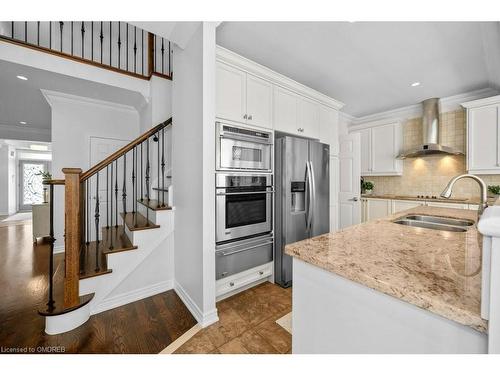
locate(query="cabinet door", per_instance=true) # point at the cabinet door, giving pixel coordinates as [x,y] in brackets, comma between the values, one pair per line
[383,146]
[398,206]
[328,128]
[285,110]
[447,205]
[259,102]
[366,163]
[230,93]
[308,118]
[483,143]
[377,208]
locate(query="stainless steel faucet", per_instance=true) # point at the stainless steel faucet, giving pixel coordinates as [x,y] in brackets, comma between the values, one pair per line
[484,197]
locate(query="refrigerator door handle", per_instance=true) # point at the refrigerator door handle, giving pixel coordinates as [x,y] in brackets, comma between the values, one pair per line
[313,195]
[309,196]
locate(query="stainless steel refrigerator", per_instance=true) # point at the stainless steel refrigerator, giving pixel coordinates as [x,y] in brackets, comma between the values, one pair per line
[302,197]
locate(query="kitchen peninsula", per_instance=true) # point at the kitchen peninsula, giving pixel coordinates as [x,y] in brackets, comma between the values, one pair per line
[381,287]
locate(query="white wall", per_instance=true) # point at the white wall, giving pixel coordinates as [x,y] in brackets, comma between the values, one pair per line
[193,168]
[8,191]
[13,192]
[74,121]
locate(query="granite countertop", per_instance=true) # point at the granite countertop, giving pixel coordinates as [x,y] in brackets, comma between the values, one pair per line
[435,270]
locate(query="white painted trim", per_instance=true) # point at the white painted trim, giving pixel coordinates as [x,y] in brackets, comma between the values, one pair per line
[447,104]
[132,296]
[49,95]
[204,319]
[25,129]
[58,249]
[376,123]
[242,63]
[482,102]
[66,322]
[181,340]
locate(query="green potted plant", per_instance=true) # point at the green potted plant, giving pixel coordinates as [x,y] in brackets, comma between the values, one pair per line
[494,190]
[367,187]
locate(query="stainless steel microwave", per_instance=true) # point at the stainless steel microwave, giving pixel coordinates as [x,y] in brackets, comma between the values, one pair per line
[243,149]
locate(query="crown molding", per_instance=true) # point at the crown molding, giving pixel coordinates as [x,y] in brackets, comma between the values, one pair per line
[242,63]
[24,129]
[50,95]
[482,102]
[446,104]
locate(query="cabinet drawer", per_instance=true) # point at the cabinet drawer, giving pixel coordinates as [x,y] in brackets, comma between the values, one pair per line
[235,282]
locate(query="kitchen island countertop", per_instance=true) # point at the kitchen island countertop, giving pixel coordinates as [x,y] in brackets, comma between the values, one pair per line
[434,270]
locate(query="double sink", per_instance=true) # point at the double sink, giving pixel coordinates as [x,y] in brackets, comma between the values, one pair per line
[435,222]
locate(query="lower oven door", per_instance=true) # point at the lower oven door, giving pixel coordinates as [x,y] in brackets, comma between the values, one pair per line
[240,256]
[243,214]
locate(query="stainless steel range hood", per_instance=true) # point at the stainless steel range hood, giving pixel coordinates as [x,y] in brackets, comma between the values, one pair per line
[430,134]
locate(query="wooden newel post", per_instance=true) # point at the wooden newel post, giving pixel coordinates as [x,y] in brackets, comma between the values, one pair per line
[73,234]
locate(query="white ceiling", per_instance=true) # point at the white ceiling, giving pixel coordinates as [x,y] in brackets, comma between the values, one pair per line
[370,65]
[23,100]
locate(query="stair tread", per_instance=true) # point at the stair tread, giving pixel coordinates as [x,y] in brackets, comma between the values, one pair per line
[135,221]
[115,239]
[59,309]
[154,204]
[88,260]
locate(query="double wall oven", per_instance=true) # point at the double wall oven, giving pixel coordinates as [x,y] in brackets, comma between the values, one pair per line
[244,199]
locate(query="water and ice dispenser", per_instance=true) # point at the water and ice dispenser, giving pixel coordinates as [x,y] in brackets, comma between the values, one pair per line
[298,191]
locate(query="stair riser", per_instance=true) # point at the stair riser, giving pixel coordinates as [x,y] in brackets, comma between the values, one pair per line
[165,219]
[66,322]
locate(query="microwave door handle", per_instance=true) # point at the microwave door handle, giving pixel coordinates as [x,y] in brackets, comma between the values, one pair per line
[247,138]
[248,192]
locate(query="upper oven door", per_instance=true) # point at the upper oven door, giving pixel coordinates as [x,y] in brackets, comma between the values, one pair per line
[243,210]
[242,149]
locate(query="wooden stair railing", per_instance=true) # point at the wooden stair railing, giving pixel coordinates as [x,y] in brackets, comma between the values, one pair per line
[81,235]
[116,46]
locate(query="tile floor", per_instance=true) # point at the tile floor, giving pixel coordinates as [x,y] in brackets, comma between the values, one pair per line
[247,324]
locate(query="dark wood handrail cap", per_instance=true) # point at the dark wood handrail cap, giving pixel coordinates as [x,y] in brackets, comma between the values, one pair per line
[72,170]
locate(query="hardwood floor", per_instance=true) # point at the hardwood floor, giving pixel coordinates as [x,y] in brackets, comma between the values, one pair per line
[145,326]
[247,324]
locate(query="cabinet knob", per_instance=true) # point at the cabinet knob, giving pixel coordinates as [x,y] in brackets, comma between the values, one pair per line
[245,116]
[249,117]
[261,272]
[231,284]
[301,130]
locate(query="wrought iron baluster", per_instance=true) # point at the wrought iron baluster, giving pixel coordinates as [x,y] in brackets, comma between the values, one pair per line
[87,208]
[135,49]
[169,65]
[116,193]
[133,177]
[162,55]
[38,33]
[126,64]
[72,37]
[158,170]
[61,25]
[50,303]
[162,167]
[97,223]
[25,32]
[147,177]
[142,56]
[136,171]
[124,187]
[83,39]
[119,43]
[50,34]
[92,40]
[107,200]
[154,53]
[12,29]
[110,40]
[110,231]
[101,37]
[142,175]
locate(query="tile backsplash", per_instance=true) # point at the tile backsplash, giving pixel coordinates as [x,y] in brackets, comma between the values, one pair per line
[429,175]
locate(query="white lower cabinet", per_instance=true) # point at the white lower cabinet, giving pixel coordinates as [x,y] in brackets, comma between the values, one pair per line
[375,208]
[236,283]
[448,205]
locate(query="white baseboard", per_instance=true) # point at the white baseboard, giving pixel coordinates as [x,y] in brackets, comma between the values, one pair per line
[204,319]
[132,296]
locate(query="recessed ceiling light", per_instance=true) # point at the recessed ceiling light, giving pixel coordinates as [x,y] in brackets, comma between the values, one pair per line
[39,147]
[22,78]
[415,84]
[22,122]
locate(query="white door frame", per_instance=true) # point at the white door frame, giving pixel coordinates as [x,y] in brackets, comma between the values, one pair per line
[349,180]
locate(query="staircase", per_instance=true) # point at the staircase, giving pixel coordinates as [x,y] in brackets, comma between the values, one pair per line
[118,233]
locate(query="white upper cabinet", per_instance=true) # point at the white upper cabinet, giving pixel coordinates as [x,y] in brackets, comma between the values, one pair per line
[380,145]
[230,97]
[259,102]
[295,114]
[483,136]
[329,128]
[243,97]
